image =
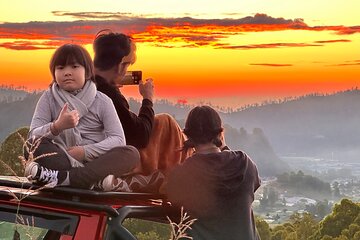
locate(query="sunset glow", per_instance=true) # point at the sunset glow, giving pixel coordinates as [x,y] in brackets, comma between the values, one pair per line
[198,52]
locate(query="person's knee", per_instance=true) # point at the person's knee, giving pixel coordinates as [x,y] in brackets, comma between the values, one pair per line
[41,147]
[129,153]
[134,153]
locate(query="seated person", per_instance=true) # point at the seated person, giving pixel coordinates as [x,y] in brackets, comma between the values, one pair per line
[79,124]
[215,185]
[157,137]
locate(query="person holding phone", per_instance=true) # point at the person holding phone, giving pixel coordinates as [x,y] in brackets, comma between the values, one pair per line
[158,137]
[114,53]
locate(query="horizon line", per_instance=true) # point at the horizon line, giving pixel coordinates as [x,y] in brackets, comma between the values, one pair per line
[184,102]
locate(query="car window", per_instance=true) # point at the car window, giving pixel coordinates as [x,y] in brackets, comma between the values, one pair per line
[35,223]
[26,232]
[146,230]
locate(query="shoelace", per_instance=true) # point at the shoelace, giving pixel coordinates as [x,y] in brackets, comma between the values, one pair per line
[116,185]
[48,175]
[121,186]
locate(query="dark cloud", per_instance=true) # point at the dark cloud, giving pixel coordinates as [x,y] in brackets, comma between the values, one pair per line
[271,65]
[333,41]
[31,45]
[98,15]
[347,63]
[344,64]
[185,31]
[266,45]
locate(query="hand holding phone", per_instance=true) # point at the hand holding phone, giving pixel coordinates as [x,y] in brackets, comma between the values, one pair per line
[131,78]
[147,89]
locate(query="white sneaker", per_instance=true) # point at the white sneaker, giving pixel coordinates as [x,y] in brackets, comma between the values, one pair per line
[31,171]
[38,174]
[113,184]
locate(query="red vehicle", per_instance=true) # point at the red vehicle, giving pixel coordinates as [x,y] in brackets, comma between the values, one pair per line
[67,213]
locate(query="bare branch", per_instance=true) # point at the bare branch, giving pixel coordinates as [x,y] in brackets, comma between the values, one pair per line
[44,155]
[178,231]
[9,168]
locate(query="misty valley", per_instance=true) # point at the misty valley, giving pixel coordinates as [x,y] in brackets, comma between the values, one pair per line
[306,148]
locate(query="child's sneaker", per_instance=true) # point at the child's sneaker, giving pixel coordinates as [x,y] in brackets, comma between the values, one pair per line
[41,175]
[146,183]
[112,184]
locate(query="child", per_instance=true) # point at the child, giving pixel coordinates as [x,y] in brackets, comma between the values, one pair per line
[80,124]
[216,186]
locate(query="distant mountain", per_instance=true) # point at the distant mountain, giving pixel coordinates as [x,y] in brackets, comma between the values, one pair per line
[10,94]
[314,125]
[178,111]
[16,114]
[258,147]
[19,113]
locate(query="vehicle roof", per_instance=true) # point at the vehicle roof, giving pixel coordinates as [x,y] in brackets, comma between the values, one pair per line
[73,198]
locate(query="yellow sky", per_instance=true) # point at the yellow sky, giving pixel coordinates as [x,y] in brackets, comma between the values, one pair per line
[320,11]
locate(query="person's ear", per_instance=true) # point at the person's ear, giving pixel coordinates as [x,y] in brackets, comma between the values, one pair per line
[222,138]
[118,68]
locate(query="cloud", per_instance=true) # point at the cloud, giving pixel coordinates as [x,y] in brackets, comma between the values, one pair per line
[344,64]
[271,65]
[99,15]
[163,31]
[333,41]
[353,61]
[266,45]
[31,45]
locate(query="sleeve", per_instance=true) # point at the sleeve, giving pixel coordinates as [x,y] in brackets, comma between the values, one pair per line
[257,180]
[137,128]
[41,120]
[113,131]
[255,174]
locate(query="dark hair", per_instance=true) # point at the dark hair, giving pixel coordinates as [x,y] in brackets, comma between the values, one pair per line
[69,54]
[110,48]
[203,125]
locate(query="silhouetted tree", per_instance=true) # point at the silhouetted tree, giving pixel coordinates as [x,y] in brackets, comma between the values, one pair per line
[10,150]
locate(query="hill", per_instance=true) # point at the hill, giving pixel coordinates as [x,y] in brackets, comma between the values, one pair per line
[16,114]
[313,125]
[11,94]
[19,113]
[258,147]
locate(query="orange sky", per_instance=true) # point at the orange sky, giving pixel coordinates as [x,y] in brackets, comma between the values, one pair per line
[229,60]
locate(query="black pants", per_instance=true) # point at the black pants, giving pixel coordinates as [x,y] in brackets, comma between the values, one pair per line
[117,161]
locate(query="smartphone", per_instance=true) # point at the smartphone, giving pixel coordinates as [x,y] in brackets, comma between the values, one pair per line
[131,78]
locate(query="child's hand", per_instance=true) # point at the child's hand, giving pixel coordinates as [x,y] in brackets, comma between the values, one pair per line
[77,152]
[67,119]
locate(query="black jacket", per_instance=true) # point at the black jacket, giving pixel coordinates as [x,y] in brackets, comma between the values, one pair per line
[217,189]
[137,128]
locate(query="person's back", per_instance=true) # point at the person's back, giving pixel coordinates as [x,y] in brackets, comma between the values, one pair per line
[217,188]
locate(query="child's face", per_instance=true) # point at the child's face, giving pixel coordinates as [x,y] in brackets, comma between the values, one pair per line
[70,77]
